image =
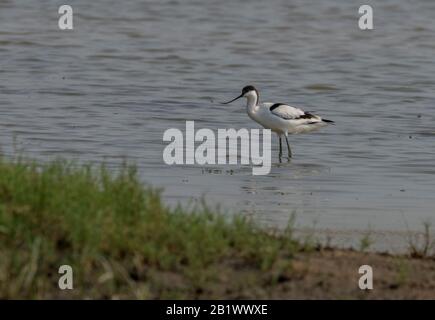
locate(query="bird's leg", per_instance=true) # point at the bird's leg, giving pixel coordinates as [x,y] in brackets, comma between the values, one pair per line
[289,151]
[280,148]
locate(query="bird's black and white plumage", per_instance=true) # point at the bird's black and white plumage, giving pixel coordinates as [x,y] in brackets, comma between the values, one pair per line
[279,117]
[298,120]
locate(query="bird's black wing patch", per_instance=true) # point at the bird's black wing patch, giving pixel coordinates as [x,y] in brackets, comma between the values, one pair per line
[307,115]
[274,106]
[329,121]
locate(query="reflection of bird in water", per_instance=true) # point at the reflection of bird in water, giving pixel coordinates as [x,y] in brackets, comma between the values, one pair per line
[279,117]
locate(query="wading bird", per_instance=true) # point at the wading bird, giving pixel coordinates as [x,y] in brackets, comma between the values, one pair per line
[279,117]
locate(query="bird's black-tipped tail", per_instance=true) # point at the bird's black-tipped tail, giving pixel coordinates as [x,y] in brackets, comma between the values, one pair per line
[328,121]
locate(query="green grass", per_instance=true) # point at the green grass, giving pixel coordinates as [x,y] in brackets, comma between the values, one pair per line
[121,241]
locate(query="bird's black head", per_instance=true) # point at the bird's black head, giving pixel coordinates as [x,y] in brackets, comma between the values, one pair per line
[245,90]
[248,88]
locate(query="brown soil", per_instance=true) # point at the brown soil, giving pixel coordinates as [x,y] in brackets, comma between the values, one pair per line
[330,274]
[322,274]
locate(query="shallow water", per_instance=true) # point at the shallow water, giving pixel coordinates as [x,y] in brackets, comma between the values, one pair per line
[131,70]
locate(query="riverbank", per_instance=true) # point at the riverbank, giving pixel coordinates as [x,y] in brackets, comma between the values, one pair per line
[123,242]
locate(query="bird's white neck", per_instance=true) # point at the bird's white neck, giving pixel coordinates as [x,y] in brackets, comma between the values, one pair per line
[252,103]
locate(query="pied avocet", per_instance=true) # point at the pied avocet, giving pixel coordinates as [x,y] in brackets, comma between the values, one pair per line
[279,117]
